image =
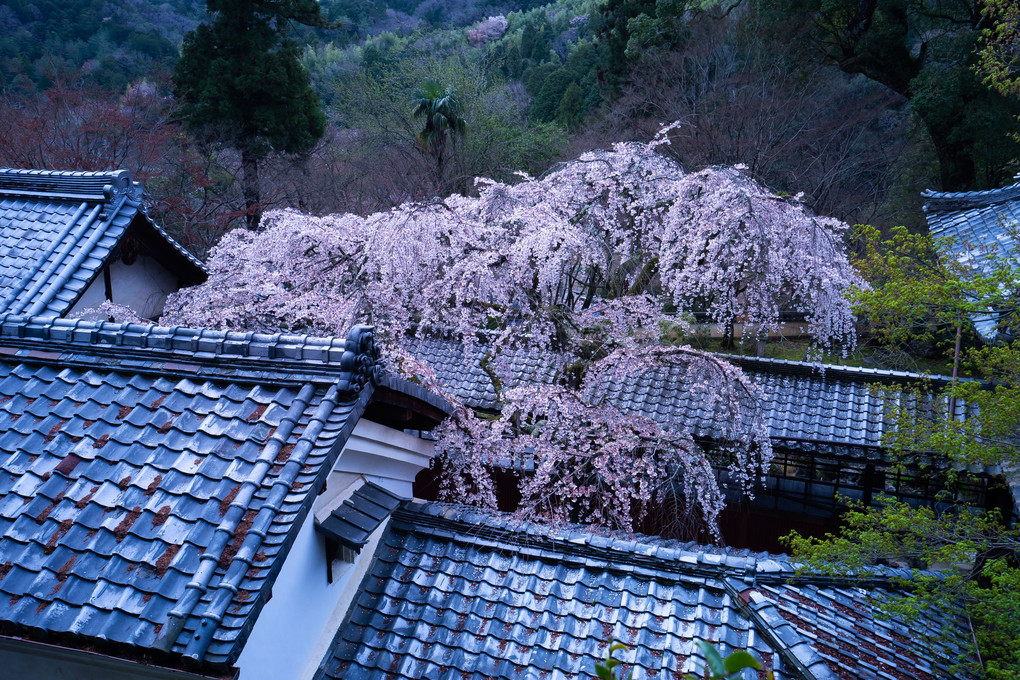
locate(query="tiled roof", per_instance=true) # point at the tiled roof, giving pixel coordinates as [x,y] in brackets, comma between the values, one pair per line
[352,523]
[806,406]
[975,221]
[456,594]
[473,374]
[56,231]
[152,479]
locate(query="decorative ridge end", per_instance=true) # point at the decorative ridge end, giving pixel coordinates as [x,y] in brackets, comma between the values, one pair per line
[360,363]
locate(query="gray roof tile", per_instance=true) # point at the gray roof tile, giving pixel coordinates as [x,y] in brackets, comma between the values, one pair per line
[58,228]
[975,221]
[806,405]
[119,486]
[455,594]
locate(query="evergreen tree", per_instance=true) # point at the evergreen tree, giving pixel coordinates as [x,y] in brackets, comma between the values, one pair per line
[241,84]
[570,112]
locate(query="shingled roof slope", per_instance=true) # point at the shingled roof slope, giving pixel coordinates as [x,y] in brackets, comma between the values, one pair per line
[976,222]
[152,479]
[975,219]
[57,229]
[458,594]
[806,405]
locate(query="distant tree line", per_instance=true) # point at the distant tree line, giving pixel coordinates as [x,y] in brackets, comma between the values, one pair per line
[802,94]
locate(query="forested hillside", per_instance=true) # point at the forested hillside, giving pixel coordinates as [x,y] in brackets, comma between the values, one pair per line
[110,43]
[859,126]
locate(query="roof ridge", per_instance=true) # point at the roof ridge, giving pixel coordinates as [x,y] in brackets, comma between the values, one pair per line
[790,644]
[616,551]
[842,370]
[939,201]
[767,364]
[355,358]
[92,186]
[755,567]
[174,243]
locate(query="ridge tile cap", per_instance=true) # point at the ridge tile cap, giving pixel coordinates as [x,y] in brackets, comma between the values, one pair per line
[953,201]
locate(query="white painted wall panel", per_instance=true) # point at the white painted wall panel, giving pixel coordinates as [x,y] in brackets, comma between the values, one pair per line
[143,286]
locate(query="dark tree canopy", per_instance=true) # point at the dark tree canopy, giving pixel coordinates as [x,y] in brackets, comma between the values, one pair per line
[240,83]
[923,50]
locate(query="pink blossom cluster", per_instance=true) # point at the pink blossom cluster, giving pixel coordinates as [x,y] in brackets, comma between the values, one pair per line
[583,259]
[487,30]
[752,254]
[582,459]
[111,311]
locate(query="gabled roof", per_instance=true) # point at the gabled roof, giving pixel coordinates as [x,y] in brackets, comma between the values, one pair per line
[57,229]
[837,408]
[975,221]
[152,479]
[458,594]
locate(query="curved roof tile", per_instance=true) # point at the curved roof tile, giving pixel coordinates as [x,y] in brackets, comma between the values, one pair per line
[58,228]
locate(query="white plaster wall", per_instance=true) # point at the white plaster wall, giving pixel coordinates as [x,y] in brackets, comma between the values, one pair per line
[143,286]
[388,457]
[297,626]
[93,296]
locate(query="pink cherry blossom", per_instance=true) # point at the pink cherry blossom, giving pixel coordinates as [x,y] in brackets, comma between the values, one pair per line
[582,261]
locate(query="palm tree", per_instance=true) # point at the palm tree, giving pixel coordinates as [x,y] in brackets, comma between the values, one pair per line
[441,109]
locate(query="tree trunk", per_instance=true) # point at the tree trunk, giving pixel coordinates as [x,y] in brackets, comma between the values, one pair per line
[956,161]
[956,370]
[250,187]
[897,67]
[728,340]
[440,162]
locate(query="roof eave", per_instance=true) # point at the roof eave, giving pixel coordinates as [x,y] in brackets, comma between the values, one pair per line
[116,662]
[174,256]
[401,404]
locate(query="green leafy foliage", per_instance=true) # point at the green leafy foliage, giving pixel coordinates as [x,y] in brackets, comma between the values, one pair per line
[973,552]
[612,668]
[718,667]
[921,296]
[998,57]
[724,668]
[998,54]
[376,95]
[920,293]
[440,109]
